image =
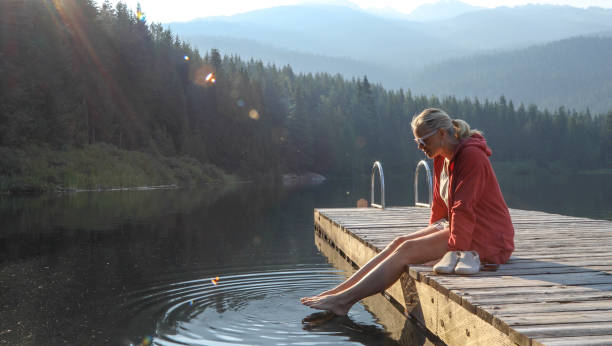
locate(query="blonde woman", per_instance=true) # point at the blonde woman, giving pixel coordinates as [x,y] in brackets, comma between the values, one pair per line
[468,213]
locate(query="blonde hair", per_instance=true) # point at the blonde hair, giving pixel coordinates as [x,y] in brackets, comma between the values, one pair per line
[434,119]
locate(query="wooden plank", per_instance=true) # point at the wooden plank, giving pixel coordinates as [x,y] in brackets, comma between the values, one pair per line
[457,282]
[549,330]
[586,340]
[455,325]
[529,294]
[556,317]
[557,286]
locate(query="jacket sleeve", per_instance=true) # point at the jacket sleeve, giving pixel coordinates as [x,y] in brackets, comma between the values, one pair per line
[438,207]
[468,187]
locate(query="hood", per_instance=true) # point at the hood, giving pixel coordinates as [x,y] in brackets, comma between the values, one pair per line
[475,140]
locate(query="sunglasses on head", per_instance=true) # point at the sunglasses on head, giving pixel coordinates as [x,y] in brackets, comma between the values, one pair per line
[421,140]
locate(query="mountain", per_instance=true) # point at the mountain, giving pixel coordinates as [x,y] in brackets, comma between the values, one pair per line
[575,73]
[388,13]
[441,10]
[519,27]
[338,31]
[332,31]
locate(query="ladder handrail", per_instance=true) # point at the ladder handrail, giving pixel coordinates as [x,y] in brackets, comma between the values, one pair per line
[416,184]
[382,186]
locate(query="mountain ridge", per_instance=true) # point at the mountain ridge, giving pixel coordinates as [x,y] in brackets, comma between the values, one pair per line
[396,53]
[574,73]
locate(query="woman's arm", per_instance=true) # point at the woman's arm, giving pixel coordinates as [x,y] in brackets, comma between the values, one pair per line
[468,186]
[439,210]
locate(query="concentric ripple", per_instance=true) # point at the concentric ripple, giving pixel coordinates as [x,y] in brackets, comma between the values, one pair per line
[255,308]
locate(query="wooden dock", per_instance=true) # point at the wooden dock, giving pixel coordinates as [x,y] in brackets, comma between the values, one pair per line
[555,290]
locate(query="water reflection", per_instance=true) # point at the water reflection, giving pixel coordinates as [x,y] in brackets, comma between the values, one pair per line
[568,194]
[131,266]
[121,267]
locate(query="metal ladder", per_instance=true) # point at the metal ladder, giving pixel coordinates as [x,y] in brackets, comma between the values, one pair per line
[378,167]
[422,163]
[381,175]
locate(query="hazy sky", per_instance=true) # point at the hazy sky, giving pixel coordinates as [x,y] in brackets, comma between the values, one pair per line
[183,10]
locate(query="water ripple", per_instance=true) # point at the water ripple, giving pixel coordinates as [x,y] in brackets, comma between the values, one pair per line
[255,308]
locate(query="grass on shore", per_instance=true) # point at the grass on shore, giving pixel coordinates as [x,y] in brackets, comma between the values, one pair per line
[99,167]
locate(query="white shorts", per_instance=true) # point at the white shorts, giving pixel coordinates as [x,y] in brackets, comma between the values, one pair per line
[441,224]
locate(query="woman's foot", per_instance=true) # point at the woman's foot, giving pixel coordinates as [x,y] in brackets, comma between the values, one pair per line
[322,294]
[331,303]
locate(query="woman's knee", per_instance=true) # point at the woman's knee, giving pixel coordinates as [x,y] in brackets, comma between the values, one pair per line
[397,242]
[421,250]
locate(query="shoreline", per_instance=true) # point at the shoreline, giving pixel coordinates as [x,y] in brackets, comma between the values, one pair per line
[123,188]
[100,167]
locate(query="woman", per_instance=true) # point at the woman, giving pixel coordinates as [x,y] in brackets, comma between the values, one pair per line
[468,213]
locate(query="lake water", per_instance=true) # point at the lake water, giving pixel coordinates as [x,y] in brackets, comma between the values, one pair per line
[140,267]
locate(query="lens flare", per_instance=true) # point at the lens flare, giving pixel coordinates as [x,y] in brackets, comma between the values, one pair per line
[240,103]
[215,281]
[204,76]
[254,114]
[186,57]
[146,341]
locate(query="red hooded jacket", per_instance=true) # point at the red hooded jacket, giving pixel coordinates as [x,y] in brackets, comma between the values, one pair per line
[478,215]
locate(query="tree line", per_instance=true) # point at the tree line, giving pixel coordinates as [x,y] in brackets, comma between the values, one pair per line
[73,74]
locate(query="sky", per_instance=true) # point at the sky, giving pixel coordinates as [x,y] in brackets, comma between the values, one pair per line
[164,11]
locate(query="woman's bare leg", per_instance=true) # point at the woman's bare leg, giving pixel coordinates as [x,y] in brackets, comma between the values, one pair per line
[418,250]
[372,263]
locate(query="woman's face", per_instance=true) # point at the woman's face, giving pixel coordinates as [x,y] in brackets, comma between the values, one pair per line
[428,141]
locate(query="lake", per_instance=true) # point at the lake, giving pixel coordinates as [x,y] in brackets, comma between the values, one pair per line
[141,267]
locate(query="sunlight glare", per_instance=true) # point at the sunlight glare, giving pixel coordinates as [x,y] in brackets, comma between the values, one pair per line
[254,114]
[204,76]
[146,341]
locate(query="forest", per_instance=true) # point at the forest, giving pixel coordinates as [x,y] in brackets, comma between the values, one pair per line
[75,76]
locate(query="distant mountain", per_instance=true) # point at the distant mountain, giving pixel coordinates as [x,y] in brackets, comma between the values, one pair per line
[575,73]
[441,10]
[519,27]
[338,31]
[332,31]
[388,12]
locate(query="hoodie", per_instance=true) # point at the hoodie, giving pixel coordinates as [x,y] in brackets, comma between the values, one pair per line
[478,216]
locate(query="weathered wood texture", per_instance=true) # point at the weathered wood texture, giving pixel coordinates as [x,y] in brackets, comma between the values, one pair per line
[556,289]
